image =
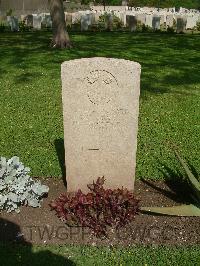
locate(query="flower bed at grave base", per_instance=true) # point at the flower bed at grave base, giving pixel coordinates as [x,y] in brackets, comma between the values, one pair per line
[41,226]
[101,215]
[98,209]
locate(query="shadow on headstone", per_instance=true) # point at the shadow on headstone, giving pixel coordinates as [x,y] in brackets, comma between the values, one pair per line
[60,150]
[15,250]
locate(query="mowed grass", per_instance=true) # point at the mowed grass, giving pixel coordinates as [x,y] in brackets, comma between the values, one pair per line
[31,107]
[85,255]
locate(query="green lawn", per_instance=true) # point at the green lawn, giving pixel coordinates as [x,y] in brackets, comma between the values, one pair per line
[31,123]
[72,255]
[31,108]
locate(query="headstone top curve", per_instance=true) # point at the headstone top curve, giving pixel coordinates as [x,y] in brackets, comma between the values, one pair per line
[100,112]
[101,60]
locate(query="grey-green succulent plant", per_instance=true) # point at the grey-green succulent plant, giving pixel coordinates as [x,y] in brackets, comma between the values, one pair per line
[192,209]
[17,187]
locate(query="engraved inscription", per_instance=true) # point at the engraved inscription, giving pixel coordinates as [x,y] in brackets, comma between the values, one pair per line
[101,87]
[106,111]
[103,120]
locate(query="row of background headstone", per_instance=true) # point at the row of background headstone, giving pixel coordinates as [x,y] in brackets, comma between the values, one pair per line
[88,18]
[42,6]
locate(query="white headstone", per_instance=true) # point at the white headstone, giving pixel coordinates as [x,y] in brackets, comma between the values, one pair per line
[68,19]
[48,21]
[162,19]
[169,21]
[191,22]
[13,23]
[86,21]
[37,20]
[141,18]
[181,24]
[76,17]
[100,109]
[131,22]
[109,21]
[156,23]
[29,20]
[96,17]
[123,18]
[148,21]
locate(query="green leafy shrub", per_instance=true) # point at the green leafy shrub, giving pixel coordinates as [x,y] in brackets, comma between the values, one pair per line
[170,30]
[146,28]
[117,23]
[98,209]
[163,27]
[2,27]
[9,12]
[17,187]
[94,27]
[76,26]
[139,26]
[102,21]
[198,26]
[174,23]
[192,209]
[23,27]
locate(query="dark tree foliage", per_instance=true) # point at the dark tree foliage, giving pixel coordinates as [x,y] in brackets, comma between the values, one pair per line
[166,3]
[151,3]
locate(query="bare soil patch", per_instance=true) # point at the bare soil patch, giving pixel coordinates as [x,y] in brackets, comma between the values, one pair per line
[41,226]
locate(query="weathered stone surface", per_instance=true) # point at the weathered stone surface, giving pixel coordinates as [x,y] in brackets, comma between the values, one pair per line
[156,23]
[100,107]
[29,20]
[148,21]
[131,22]
[191,22]
[169,21]
[37,20]
[13,23]
[141,18]
[181,24]
[96,17]
[48,21]
[85,21]
[68,19]
[109,22]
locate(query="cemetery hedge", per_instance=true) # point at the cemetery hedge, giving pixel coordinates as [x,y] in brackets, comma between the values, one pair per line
[158,3]
[167,3]
[31,108]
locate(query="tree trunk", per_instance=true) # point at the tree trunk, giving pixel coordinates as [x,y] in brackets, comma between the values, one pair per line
[60,35]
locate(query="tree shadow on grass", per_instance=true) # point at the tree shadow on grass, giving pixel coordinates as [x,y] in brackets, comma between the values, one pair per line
[16,251]
[27,77]
[167,60]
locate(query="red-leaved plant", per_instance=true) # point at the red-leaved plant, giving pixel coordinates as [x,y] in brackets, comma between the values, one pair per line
[97,209]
